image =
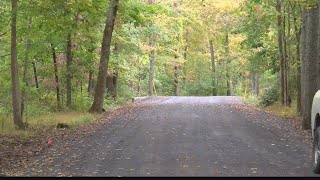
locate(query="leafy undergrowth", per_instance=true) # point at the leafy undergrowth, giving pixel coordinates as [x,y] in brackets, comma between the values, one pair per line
[17,147]
[282,111]
[49,120]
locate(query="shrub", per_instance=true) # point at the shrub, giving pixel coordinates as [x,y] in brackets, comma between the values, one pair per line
[270,96]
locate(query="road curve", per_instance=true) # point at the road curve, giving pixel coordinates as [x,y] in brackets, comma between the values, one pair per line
[186,136]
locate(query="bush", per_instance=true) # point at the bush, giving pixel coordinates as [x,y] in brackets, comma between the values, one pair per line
[270,96]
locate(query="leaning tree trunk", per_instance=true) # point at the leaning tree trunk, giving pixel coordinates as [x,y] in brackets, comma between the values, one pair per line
[99,94]
[16,94]
[309,61]
[213,67]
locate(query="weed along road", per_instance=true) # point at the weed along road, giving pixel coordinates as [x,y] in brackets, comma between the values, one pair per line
[183,136]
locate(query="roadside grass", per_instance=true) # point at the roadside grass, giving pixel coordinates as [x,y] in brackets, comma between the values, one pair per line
[282,111]
[251,99]
[276,108]
[51,119]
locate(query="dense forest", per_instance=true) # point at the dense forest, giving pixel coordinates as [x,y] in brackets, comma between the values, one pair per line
[86,55]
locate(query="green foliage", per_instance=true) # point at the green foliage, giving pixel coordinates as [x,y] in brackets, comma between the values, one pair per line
[270,96]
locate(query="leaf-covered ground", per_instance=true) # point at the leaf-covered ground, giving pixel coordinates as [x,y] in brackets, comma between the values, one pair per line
[171,136]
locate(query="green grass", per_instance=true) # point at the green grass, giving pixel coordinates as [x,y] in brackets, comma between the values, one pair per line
[282,111]
[73,119]
[51,119]
[251,99]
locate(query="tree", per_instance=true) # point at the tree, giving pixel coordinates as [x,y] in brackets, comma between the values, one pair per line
[104,59]
[310,44]
[16,93]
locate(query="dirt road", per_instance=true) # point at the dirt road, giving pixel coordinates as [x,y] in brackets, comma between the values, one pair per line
[184,136]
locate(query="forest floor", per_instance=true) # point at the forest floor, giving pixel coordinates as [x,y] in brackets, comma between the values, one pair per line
[168,136]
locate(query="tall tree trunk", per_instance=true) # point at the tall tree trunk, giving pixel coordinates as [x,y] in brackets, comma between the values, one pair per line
[256,82]
[16,94]
[139,80]
[280,46]
[253,84]
[151,58]
[69,72]
[151,69]
[184,79]
[227,64]
[89,82]
[288,61]
[213,67]
[97,104]
[176,81]
[25,72]
[35,74]
[285,55]
[56,76]
[297,30]
[309,61]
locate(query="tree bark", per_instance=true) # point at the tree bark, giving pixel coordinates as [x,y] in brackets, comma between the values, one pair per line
[184,79]
[90,82]
[139,80]
[100,88]
[288,60]
[56,76]
[151,69]
[213,67]
[227,64]
[297,30]
[256,80]
[309,61]
[176,81]
[280,46]
[35,74]
[25,72]
[69,72]
[16,94]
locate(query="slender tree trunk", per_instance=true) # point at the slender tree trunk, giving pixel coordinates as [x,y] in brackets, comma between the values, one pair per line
[97,104]
[25,72]
[16,94]
[176,81]
[213,67]
[35,74]
[253,84]
[56,76]
[288,61]
[90,83]
[256,82]
[298,54]
[69,72]
[151,58]
[184,79]
[139,80]
[227,64]
[151,69]
[280,46]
